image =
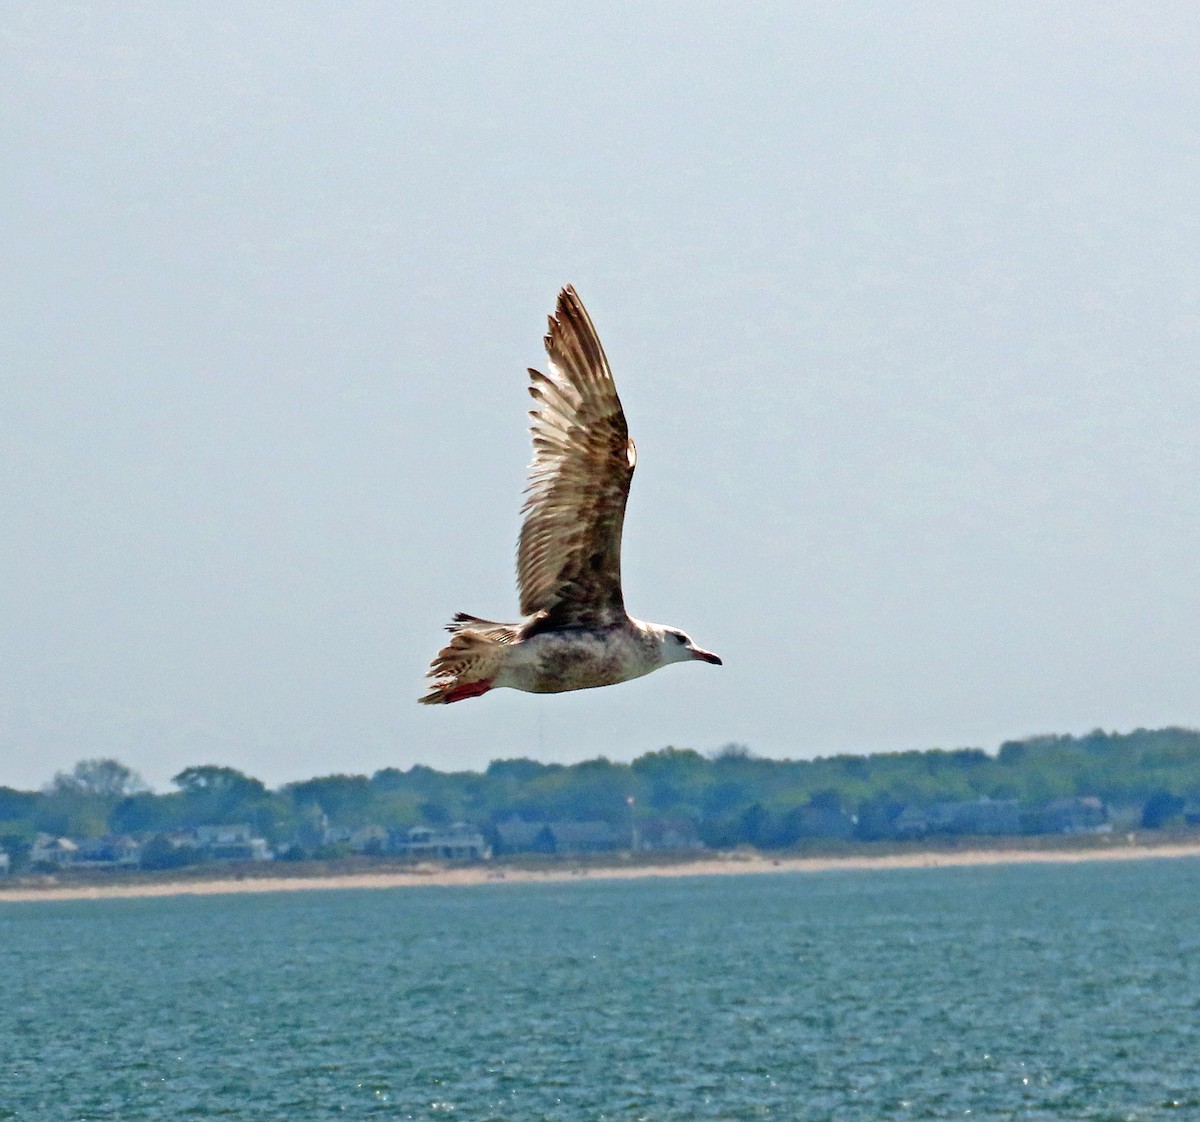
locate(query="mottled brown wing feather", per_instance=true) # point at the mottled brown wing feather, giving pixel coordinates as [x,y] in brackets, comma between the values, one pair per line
[569,555]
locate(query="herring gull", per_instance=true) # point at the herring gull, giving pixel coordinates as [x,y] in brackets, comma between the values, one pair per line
[574,633]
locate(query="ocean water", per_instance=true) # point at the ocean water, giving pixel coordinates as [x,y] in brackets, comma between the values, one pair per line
[1021,992]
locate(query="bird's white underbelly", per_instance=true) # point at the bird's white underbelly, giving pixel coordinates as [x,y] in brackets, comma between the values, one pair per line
[555,662]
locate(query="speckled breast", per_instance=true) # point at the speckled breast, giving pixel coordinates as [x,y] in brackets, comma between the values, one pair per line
[580,660]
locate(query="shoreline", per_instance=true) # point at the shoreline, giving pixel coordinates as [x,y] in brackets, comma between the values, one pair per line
[729,864]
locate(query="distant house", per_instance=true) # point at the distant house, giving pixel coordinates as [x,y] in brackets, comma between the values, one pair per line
[48,850]
[1080,815]
[515,835]
[1126,816]
[457,842]
[231,843]
[110,852]
[911,822]
[982,816]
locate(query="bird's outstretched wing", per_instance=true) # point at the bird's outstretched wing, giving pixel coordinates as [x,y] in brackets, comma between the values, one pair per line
[569,555]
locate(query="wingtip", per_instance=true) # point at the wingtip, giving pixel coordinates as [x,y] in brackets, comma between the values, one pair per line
[568,302]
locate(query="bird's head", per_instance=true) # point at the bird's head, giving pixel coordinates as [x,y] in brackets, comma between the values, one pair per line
[678,647]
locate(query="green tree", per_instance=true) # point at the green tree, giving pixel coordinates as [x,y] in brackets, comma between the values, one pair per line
[100,778]
[1161,808]
[673,779]
[211,793]
[146,813]
[345,799]
[159,853]
[211,779]
[16,804]
[78,803]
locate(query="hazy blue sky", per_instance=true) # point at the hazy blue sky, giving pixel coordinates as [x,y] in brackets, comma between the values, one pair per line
[903,303]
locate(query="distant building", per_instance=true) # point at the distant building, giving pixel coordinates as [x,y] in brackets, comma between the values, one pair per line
[457,842]
[1080,815]
[231,843]
[515,835]
[1126,816]
[49,850]
[110,852]
[982,816]
[5,863]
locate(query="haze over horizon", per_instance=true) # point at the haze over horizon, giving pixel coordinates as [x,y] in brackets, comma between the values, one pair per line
[903,307]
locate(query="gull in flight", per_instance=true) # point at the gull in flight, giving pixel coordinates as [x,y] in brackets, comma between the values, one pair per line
[574,633]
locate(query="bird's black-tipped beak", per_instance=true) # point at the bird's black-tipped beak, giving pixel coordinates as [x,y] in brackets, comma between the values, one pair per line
[706,656]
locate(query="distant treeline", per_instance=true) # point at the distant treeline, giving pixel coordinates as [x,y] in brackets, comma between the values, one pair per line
[732,797]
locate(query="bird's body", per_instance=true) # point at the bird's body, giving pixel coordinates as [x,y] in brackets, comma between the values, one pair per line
[575,633]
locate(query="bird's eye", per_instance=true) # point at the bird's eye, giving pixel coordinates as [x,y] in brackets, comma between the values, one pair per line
[681,637]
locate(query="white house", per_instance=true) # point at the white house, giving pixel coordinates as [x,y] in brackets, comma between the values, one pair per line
[232,843]
[108,853]
[48,850]
[458,842]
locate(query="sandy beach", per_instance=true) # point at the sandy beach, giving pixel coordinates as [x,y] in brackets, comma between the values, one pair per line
[735,864]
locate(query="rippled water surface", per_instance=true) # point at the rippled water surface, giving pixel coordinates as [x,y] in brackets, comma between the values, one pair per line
[1026,992]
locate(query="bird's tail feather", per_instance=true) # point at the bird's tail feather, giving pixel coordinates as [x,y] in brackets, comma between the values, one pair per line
[468,664]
